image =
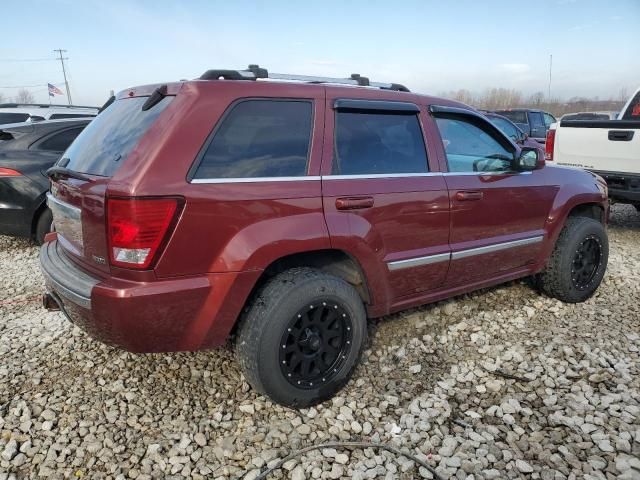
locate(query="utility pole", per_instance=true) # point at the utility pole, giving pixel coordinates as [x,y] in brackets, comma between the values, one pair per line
[64,73]
[550,65]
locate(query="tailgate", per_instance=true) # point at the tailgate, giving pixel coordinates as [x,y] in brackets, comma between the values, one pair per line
[608,145]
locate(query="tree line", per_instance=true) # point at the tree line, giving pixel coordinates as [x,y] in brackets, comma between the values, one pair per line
[503,98]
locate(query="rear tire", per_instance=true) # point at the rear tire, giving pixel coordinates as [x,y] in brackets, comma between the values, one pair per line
[43,225]
[301,337]
[578,262]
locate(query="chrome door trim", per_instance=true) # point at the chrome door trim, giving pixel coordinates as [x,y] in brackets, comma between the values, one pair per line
[443,257]
[381,175]
[256,179]
[418,261]
[496,247]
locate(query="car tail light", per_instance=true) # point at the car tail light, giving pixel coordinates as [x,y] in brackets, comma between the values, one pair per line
[549,144]
[137,229]
[9,172]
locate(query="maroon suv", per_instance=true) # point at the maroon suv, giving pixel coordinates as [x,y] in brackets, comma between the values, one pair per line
[288,212]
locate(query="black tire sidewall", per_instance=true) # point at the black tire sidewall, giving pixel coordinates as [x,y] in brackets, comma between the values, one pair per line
[280,312]
[43,225]
[581,231]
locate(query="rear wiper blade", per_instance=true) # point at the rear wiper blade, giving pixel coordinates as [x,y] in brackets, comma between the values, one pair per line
[155,98]
[56,172]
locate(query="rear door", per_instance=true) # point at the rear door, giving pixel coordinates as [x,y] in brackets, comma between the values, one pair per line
[78,204]
[384,199]
[497,214]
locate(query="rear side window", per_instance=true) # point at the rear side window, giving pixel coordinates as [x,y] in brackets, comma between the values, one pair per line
[515,117]
[13,117]
[260,138]
[105,143]
[632,113]
[378,143]
[59,142]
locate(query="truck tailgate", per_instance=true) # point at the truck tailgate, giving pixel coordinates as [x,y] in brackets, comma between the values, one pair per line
[605,145]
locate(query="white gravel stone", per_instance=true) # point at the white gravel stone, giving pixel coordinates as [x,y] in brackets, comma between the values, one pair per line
[73,407]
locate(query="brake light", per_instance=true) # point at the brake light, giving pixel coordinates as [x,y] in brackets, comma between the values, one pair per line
[9,172]
[137,229]
[549,145]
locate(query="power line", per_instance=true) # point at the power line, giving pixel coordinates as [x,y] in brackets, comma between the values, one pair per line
[28,59]
[28,86]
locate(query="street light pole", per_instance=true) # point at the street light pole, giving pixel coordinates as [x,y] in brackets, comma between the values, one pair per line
[64,73]
[550,65]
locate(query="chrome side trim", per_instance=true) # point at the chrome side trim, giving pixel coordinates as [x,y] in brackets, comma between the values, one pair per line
[381,175]
[495,248]
[69,210]
[443,257]
[477,174]
[419,261]
[256,179]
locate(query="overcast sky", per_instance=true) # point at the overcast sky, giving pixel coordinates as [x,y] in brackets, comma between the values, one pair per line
[431,46]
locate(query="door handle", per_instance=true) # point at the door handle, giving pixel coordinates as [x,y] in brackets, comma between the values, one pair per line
[621,135]
[353,203]
[464,196]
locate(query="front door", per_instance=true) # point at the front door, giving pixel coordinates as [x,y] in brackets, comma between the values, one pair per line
[497,214]
[382,201]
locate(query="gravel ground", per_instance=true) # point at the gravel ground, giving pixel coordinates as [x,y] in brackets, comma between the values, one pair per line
[503,383]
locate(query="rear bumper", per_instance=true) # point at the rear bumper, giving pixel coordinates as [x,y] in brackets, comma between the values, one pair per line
[185,313]
[623,187]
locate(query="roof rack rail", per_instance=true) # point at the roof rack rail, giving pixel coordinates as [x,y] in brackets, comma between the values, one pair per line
[42,105]
[254,72]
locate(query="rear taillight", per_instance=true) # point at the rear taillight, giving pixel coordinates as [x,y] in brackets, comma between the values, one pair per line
[137,229]
[9,172]
[549,145]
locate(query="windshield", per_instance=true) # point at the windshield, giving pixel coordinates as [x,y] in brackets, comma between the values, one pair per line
[102,147]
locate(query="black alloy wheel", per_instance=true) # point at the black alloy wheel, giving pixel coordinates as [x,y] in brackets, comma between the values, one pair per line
[315,344]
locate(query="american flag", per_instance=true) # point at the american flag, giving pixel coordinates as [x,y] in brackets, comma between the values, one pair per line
[53,90]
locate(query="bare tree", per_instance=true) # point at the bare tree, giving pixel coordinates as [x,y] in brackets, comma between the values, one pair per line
[24,96]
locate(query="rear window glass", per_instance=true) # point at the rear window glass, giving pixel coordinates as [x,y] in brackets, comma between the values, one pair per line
[105,143]
[59,142]
[373,143]
[515,117]
[260,138]
[13,117]
[633,112]
[56,116]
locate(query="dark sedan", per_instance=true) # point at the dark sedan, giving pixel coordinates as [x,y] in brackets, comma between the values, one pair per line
[27,150]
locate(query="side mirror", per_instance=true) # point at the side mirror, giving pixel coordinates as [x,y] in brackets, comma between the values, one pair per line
[530,159]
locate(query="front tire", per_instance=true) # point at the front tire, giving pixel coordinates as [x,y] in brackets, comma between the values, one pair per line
[301,337]
[578,262]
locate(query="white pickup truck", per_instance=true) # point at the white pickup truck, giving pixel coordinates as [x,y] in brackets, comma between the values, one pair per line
[610,148]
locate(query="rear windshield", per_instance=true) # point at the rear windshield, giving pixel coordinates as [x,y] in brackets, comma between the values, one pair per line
[105,143]
[633,112]
[13,117]
[515,117]
[586,116]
